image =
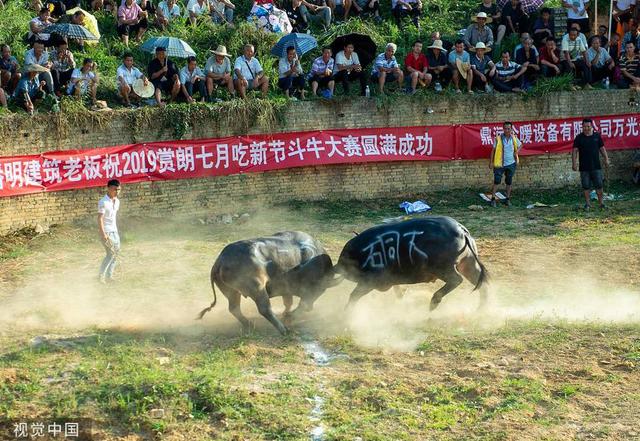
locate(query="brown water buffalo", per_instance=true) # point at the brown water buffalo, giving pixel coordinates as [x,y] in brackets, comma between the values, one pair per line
[287,264]
[413,251]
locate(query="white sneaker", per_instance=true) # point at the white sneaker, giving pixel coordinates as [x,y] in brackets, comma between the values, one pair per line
[438,87]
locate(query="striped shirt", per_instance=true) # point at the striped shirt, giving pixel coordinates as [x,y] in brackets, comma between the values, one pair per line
[382,62]
[631,66]
[508,70]
[319,66]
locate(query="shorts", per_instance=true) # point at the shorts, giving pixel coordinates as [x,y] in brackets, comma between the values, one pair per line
[322,81]
[390,78]
[591,179]
[508,173]
[165,86]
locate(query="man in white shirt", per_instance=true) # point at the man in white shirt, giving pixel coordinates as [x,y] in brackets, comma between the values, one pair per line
[126,75]
[248,73]
[577,13]
[195,9]
[108,208]
[349,69]
[193,80]
[84,80]
[167,11]
[39,55]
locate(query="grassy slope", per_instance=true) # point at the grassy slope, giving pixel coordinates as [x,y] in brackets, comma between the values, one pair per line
[531,379]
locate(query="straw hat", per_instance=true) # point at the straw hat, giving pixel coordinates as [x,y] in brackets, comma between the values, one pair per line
[143,91]
[437,44]
[480,45]
[35,68]
[222,51]
[463,68]
[483,15]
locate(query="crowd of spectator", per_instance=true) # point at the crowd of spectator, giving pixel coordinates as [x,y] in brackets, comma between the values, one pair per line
[463,64]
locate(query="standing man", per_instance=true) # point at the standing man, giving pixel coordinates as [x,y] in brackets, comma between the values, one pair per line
[108,208]
[503,160]
[587,148]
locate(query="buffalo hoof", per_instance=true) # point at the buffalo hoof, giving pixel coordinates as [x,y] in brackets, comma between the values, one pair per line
[248,328]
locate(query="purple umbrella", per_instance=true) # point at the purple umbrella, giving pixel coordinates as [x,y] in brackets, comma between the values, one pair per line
[528,6]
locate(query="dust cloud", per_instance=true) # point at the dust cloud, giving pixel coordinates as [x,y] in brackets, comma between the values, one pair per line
[164,283]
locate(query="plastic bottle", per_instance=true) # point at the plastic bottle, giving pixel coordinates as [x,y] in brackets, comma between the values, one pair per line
[605,82]
[367,92]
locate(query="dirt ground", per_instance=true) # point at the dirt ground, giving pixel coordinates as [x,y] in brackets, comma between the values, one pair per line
[556,356]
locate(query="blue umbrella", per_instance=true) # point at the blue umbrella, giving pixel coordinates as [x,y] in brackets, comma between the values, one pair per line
[302,42]
[174,46]
[71,30]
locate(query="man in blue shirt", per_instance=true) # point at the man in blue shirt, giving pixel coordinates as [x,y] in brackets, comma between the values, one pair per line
[460,63]
[386,69]
[30,90]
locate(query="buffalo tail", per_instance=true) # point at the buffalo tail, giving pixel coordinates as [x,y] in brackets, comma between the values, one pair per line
[215,299]
[484,274]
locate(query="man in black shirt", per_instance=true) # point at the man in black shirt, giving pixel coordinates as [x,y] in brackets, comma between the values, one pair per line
[492,10]
[164,75]
[588,146]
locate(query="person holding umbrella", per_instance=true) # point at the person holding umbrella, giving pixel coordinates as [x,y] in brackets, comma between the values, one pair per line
[164,75]
[218,72]
[386,69]
[291,78]
[350,69]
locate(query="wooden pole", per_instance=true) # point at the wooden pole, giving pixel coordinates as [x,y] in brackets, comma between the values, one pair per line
[595,24]
[610,25]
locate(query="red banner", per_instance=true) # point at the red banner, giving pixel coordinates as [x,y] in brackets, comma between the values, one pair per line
[73,169]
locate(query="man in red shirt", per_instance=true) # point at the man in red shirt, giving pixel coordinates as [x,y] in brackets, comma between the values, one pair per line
[417,65]
[550,59]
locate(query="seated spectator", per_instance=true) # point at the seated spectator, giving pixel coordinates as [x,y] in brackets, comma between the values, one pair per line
[126,75]
[77,18]
[349,69]
[9,70]
[550,60]
[39,55]
[577,13]
[573,57]
[386,69]
[192,79]
[528,58]
[57,8]
[405,8]
[164,75]
[84,81]
[248,73]
[340,8]
[222,11]
[438,65]
[168,11]
[479,32]
[131,20]
[38,26]
[417,67]
[543,27]
[514,18]
[197,8]
[460,64]
[623,10]
[629,68]
[602,34]
[524,37]
[318,11]
[633,35]
[493,12]
[108,6]
[62,66]
[483,67]
[290,76]
[581,36]
[293,8]
[218,71]
[30,91]
[614,47]
[599,61]
[321,73]
[509,75]
[367,8]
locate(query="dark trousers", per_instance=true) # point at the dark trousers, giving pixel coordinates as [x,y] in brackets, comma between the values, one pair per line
[443,77]
[322,81]
[198,86]
[61,78]
[291,83]
[133,29]
[600,73]
[549,72]
[506,86]
[399,13]
[366,9]
[581,70]
[345,77]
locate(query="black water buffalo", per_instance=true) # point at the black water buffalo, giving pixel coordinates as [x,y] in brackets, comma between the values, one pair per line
[412,251]
[286,264]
